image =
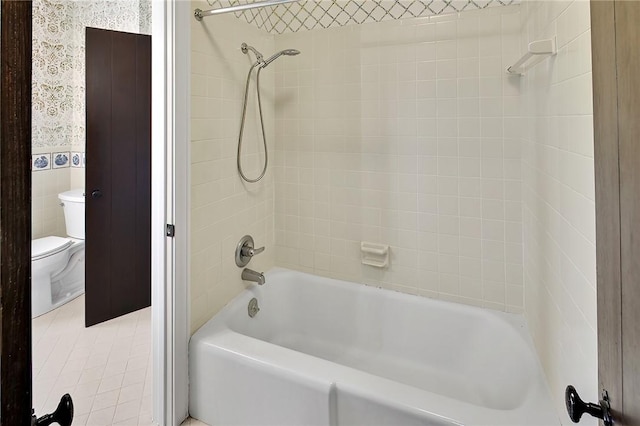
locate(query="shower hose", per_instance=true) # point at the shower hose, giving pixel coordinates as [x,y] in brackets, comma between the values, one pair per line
[242,121]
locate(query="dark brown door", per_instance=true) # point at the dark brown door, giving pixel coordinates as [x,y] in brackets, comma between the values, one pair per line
[616,87]
[15,213]
[118,174]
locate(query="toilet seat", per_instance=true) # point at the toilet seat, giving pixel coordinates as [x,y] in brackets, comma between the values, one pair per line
[48,246]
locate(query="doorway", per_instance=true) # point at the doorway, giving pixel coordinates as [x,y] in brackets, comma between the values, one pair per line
[106,369]
[15,291]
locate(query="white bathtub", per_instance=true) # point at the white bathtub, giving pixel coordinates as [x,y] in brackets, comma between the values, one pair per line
[327,352]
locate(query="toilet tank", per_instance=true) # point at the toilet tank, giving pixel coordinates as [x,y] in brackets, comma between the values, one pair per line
[73,205]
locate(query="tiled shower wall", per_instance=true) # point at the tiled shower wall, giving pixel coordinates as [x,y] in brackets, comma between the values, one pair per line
[223,208]
[409,133]
[404,133]
[558,197]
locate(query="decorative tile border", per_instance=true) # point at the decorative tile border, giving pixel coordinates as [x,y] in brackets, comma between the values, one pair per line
[310,14]
[77,159]
[41,162]
[57,160]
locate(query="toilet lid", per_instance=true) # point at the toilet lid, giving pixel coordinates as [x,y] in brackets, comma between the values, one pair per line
[43,247]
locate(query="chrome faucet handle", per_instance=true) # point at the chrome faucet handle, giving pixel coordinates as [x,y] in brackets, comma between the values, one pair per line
[250,251]
[245,251]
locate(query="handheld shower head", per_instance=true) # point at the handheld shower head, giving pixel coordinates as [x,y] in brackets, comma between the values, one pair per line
[258,65]
[286,52]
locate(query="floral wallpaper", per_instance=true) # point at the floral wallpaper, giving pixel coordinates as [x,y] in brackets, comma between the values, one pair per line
[52,81]
[119,15]
[58,63]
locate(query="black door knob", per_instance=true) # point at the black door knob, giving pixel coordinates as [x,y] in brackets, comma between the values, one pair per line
[63,414]
[96,193]
[576,407]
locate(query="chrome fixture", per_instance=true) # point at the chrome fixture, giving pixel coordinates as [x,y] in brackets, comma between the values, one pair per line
[245,251]
[253,307]
[286,52]
[245,49]
[260,64]
[199,13]
[253,276]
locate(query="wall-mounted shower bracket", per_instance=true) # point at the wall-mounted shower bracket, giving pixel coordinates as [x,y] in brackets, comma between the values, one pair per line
[245,48]
[245,251]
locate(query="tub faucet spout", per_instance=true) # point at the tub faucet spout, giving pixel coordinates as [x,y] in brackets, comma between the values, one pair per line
[251,275]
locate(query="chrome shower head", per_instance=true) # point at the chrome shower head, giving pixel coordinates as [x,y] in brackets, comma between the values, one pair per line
[286,52]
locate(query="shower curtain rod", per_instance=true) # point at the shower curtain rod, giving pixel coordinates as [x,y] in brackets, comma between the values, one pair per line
[199,14]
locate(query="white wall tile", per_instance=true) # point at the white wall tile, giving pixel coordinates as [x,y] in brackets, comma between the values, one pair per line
[412,178]
[558,236]
[223,208]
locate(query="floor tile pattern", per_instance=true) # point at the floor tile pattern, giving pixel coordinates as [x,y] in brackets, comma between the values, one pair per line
[106,368]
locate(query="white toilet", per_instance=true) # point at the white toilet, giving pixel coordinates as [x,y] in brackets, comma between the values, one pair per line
[57,264]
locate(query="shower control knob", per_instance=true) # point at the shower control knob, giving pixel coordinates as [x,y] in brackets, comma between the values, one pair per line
[250,251]
[576,407]
[245,251]
[96,193]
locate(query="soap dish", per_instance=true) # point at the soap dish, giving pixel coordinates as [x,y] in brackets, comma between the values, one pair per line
[374,254]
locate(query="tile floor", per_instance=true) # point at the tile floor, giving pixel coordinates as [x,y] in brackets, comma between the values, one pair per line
[106,368]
